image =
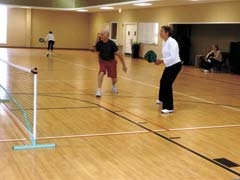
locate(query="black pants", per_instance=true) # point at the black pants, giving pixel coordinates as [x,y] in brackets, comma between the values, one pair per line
[208,65]
[166,82]
[50,45]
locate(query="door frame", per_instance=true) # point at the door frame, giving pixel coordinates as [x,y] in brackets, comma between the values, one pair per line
[124,33]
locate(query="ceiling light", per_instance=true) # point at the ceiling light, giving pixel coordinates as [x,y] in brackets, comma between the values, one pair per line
[142,4]
[82,10]
[107,8]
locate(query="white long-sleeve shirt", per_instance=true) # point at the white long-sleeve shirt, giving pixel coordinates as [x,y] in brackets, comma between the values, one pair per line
[170,52]
[50,37]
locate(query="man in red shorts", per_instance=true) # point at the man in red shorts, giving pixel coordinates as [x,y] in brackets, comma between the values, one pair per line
[107,50]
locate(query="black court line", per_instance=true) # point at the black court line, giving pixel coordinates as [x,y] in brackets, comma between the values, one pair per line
[55,108]
[58,108]
[155,133]
[145,97]
[176,143]
[138,97]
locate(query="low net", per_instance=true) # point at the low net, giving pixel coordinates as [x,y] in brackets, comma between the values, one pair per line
[18,93]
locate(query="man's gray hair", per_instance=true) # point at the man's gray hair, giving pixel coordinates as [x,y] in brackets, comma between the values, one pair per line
[105,31]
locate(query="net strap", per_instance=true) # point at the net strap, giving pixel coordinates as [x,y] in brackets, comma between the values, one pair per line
[34,71]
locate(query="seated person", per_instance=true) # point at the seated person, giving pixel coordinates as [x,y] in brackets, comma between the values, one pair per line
[212,59]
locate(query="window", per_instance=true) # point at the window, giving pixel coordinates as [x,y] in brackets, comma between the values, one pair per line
[148,33]
[3,24]
[114,30]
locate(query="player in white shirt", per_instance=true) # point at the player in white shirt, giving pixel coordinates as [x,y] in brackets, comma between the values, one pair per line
[173,65]
[51,41]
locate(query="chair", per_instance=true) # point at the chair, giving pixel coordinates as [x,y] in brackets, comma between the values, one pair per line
[224,65]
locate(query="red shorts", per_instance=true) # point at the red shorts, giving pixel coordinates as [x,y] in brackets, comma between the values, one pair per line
[109,67]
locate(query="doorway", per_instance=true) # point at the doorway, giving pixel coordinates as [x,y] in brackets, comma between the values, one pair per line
[130,37]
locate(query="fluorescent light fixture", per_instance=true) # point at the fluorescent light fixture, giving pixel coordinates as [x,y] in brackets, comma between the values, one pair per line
[106,7]
[82,10]
[142,4]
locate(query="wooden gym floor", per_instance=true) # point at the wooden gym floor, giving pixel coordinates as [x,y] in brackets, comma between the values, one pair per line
[123,136]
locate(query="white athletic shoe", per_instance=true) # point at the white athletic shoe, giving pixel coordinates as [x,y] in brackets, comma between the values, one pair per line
[167,111]
[98,93]
[114,89]
[158,101]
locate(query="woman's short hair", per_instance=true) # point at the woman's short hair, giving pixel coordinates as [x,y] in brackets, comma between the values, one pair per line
[168,29]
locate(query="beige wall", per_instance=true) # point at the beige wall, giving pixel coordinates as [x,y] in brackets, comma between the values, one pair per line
[26,26]
[78,30]
[202,13]
[16,30]
[71,29]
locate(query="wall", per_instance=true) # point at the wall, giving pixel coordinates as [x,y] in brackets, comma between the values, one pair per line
[16,30]
[78,30]
[71,29]
[26,26]
[202,13]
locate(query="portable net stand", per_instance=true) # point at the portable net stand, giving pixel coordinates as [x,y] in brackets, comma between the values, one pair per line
[12,103]
[3,99]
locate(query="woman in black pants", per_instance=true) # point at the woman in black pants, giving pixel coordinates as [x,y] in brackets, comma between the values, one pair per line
[51,41]
[212,59]
[173,65]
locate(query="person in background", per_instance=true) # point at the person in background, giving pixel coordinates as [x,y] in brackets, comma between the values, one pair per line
[98,38]
[212,59]
[107,50]
[50,38]
[173,65]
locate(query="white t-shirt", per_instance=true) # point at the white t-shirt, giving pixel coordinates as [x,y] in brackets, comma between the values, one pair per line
[50,37]
[170,51]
